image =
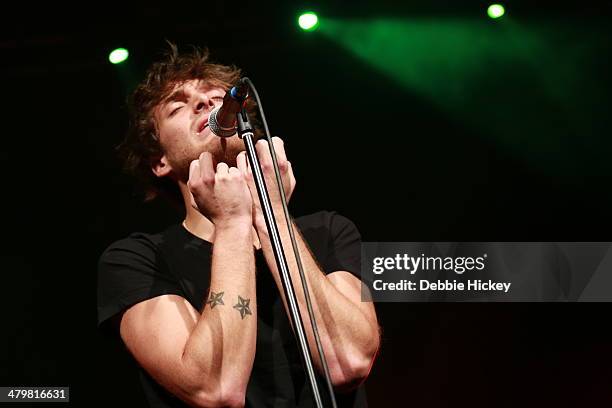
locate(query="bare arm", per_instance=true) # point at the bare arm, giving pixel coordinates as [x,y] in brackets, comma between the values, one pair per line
[348,327]
[206,359]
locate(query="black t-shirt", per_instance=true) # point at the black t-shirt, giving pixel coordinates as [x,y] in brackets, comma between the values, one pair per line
[177,262]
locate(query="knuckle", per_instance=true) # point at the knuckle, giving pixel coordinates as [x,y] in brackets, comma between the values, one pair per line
[193,184]
[266,166]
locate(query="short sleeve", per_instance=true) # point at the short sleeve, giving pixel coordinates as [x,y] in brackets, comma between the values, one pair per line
[344,252]
[131,271]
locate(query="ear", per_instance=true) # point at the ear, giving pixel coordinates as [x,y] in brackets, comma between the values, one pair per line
[161,167]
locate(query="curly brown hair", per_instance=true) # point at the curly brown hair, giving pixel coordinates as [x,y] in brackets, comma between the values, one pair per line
[141,146]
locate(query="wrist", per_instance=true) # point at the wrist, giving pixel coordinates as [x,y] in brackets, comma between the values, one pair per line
[234,224]
[260,222]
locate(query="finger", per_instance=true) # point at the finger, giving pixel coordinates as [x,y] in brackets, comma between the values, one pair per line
[291,175]
[194,181]
[222,168]
[263,154]
[194,170]
[233,171]
[241,162]
[207,171]
[279,149]
[193,203]
[248,164]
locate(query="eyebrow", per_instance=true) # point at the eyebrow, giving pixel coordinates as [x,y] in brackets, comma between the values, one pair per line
[179,94]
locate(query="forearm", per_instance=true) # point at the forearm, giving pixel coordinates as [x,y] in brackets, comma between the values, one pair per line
[221,348]
[347,335]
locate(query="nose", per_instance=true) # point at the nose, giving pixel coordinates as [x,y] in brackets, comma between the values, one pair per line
[203,103]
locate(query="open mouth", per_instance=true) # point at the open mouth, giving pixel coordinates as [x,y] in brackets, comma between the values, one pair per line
[203,125]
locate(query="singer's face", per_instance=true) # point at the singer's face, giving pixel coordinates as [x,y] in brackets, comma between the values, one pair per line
[182,121]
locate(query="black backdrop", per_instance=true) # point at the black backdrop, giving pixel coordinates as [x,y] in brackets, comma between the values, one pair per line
[64,198]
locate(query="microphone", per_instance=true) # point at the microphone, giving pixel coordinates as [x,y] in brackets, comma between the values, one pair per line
[222,119]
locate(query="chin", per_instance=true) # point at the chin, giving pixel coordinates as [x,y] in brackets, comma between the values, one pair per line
[228,150]
[223,150]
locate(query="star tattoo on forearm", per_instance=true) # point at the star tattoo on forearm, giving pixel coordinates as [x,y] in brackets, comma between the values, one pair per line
[243,306]
[215,299]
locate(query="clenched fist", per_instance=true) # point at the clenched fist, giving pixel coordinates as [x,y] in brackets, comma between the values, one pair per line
[222,195]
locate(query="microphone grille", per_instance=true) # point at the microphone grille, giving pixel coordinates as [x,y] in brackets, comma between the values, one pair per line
[216,128]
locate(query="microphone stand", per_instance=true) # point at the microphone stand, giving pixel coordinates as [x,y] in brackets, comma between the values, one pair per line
[245,132]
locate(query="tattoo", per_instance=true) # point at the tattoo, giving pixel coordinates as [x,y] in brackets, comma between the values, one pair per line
[215,299]
[243,306]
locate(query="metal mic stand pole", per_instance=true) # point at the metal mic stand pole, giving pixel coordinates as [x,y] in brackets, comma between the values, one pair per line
[245,131]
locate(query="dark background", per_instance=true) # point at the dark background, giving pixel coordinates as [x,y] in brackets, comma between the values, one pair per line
[400,164]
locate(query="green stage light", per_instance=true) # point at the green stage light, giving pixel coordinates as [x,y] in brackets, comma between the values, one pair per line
[118,55]
[496,10]
[308,21]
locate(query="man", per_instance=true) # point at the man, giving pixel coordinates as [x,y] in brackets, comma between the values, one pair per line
[200,306]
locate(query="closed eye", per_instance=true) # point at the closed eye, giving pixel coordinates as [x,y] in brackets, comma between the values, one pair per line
[176,109]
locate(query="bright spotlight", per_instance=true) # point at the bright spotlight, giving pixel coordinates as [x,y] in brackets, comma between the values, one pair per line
[118,55]
[496,10]
[308,21]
